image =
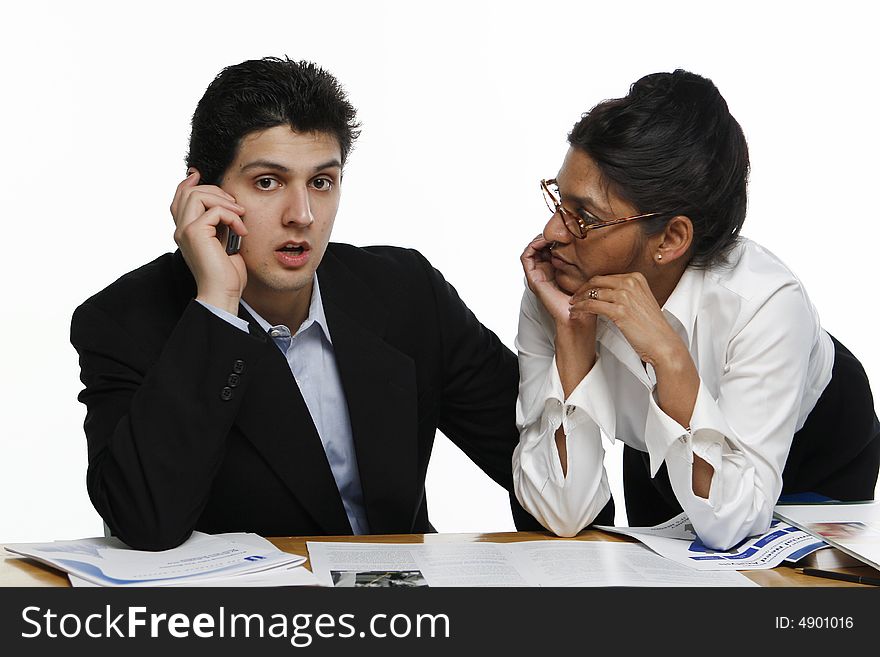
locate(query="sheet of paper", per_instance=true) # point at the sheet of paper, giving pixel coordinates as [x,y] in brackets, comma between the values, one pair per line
[469,564]
[597,563]
[109,562]
[364,564]
[529,563]
[676,540]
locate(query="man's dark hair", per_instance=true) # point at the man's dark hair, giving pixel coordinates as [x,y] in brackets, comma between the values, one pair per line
[671,145]
[263,93]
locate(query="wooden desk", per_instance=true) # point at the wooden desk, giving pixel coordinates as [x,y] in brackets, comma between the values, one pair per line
[26,572]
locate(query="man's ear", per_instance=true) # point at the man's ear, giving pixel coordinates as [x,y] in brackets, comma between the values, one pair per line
[675,240]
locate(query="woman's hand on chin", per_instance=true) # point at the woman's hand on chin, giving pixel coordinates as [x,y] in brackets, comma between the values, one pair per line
[627,300]
[541,278]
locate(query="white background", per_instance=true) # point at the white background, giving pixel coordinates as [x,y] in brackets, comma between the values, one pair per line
[464,108]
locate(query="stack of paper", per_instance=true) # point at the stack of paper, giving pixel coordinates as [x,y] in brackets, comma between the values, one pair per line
[203,560]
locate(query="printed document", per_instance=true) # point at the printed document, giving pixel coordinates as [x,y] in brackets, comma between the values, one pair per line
[528,563]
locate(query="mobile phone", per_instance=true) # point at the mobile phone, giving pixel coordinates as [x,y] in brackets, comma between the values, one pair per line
[233,243]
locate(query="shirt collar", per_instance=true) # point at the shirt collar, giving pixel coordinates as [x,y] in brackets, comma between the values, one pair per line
[683,303]
[316,313]
[681,306]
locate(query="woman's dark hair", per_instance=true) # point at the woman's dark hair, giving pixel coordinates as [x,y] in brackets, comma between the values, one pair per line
[260,94]
[670,145]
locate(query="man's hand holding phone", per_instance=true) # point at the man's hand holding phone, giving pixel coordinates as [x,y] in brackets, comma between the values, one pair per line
[202,215]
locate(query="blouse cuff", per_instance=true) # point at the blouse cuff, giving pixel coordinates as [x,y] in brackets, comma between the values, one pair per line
[709,429]
[590,401]
[703,438]
[661,433]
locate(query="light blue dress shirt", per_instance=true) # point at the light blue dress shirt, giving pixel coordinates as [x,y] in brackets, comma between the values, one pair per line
[312,362]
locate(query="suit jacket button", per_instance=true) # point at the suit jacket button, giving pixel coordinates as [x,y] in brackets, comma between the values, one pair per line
[238,366]
[226,394]
[234,380]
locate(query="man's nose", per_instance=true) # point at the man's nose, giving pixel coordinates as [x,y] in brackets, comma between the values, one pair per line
[298,210]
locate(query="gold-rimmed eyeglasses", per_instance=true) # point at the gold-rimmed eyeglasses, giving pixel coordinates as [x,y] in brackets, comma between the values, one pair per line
[581,224]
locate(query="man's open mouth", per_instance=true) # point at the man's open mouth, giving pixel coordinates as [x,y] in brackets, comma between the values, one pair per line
[295,249]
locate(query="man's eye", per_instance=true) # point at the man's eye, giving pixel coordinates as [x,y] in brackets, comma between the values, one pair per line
[322,184]
[267,183]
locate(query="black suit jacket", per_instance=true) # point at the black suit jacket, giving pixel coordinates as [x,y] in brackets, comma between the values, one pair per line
[194,424]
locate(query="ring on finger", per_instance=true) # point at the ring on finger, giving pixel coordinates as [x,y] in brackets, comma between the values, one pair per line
[593,294]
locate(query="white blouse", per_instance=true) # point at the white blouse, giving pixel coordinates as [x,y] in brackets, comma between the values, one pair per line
[763,362]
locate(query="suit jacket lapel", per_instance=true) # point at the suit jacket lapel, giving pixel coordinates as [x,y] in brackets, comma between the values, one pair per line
[380,387]
[275,418]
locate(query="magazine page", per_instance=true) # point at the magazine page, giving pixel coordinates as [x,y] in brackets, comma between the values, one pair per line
[675,539]
[852,528]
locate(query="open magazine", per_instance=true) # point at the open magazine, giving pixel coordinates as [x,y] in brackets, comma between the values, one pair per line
[675,539]
[851,528]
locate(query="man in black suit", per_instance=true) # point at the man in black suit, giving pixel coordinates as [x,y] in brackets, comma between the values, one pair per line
[295,386]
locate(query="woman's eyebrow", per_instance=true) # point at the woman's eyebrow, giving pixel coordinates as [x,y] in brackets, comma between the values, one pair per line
[586,202]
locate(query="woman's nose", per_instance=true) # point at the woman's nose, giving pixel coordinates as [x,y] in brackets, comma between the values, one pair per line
[555,230]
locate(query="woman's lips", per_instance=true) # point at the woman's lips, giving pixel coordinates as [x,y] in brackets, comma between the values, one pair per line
[558,262]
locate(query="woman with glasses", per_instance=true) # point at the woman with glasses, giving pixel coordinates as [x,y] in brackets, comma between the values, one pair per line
[649,320]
